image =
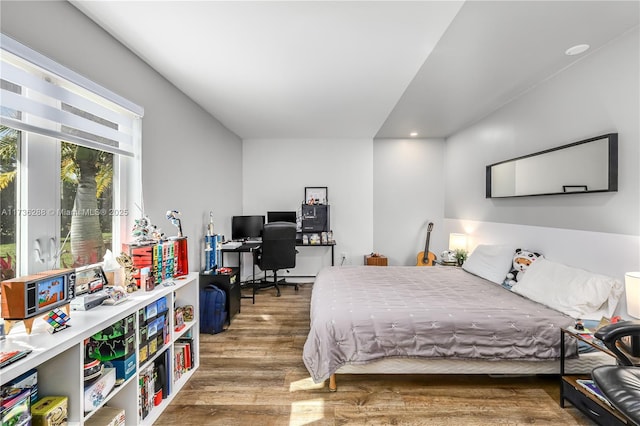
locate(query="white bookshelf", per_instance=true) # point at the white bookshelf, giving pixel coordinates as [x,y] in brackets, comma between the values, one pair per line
[59,357]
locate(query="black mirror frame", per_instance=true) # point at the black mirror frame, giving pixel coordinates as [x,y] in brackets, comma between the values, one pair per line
[613,168]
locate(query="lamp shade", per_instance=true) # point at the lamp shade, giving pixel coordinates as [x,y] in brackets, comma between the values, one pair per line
[457,242]
[632,287]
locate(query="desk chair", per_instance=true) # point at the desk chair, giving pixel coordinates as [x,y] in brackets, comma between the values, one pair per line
[620,383]
[278,251]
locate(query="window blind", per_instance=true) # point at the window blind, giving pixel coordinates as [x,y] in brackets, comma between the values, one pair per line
[39,95]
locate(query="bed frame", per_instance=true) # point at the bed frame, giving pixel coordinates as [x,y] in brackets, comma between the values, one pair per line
[581,365]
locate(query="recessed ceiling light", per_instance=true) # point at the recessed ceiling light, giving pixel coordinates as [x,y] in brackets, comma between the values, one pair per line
[577,49]
[413,134]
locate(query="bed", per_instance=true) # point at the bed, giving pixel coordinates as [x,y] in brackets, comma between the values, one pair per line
[430,320]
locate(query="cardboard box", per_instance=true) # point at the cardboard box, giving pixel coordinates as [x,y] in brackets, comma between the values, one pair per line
[153,347]
[125,367]
[152,329]
[144,353]
[142,339]
[162,305]
[151,311]
[50,411]
[375,260]
[107,416]
[96,392]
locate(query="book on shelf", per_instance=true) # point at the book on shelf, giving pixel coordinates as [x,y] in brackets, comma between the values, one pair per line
[593,389]
[146,389]
[8,357]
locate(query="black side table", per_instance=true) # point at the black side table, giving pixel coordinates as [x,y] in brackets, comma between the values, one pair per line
[570,390]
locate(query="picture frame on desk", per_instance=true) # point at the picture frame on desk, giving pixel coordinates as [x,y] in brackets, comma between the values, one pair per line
[316,195]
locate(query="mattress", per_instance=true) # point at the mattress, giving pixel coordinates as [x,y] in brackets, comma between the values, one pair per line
[406,315]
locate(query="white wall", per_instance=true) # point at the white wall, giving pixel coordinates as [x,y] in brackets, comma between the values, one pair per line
[275,173]
[408,184]
[598,232]
[191,163]
[599,94]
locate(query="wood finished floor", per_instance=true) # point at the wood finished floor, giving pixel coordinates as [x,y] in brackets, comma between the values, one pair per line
[253,374]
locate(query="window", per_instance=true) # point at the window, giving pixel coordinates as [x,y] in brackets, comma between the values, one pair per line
[66,212]
[8,200]
[86,199]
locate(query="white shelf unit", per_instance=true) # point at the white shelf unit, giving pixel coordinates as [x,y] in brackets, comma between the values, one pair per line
[59,357]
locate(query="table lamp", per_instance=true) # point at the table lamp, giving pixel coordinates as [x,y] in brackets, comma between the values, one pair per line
[632,287]
[458,246]
[457,242]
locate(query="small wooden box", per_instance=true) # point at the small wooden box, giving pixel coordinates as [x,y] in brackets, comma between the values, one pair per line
[375,260]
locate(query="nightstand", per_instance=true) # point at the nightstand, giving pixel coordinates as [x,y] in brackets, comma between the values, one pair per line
[570,390]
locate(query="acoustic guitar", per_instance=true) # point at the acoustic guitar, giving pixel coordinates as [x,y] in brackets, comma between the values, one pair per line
[426,258]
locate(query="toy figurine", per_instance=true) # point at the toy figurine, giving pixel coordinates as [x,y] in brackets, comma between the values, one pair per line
[140,229]
[126,262]
[172,215]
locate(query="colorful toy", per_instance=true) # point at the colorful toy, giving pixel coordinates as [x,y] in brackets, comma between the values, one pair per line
[57,320]
[172,215]
[522,260]
[130,270]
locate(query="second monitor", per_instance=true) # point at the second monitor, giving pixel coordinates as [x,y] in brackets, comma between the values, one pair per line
[281,217]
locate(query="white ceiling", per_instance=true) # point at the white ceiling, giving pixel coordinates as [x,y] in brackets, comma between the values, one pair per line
[357,69]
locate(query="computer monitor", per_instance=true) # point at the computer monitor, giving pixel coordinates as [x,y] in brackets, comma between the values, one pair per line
[281,217]
[244,227]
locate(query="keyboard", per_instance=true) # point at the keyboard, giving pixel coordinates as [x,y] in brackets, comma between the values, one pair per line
[252,244]
[231,245]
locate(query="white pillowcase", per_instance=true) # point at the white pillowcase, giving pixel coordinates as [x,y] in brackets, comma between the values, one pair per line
[490,262]
[575,292]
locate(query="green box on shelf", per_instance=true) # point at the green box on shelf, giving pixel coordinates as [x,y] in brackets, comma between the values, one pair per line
[123,327]
[105,348]
[142,339]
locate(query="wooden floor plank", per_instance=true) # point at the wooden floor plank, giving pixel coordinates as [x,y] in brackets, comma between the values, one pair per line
[253,374]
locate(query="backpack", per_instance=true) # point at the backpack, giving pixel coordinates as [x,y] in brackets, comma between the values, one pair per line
[213,314]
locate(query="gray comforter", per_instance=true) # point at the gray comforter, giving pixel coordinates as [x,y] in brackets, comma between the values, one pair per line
[364,313]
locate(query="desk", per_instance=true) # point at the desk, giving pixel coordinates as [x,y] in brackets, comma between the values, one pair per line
[244,248]
[253,247]
[331,244]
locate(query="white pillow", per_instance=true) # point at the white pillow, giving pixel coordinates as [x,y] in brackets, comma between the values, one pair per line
[492,263]
[575,292]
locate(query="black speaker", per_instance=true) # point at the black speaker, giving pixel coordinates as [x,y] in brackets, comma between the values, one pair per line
[315,218]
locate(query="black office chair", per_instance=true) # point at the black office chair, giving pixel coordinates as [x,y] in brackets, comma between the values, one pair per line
[278,251]
[621,383]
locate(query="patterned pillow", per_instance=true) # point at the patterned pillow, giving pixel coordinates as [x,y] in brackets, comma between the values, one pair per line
[522,259]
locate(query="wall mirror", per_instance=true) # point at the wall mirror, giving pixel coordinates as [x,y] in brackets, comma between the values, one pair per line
[590,165]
